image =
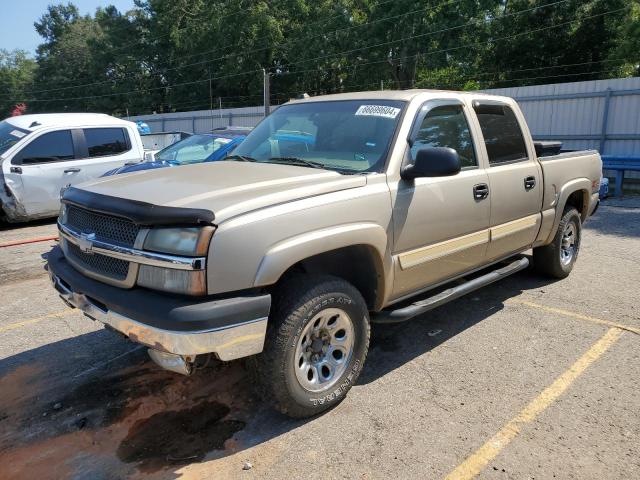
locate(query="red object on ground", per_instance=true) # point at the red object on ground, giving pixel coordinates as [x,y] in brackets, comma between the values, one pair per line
[30,240]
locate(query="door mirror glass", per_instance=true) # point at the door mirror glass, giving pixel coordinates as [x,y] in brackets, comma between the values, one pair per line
[433,162]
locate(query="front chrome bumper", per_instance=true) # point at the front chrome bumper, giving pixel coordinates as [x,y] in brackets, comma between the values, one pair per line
[228,343]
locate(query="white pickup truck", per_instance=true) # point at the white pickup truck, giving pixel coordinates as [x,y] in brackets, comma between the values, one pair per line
[42,154]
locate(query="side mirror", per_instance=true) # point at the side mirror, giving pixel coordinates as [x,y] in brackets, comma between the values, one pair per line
[433,162]
[148,157]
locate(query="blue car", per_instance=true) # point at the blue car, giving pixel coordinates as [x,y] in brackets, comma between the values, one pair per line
[207,147]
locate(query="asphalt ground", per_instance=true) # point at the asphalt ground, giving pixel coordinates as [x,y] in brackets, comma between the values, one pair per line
[525,379]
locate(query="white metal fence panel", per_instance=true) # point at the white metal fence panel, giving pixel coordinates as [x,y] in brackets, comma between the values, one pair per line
[203,121]
[600,114]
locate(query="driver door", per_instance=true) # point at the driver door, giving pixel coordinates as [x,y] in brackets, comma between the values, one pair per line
[440,223]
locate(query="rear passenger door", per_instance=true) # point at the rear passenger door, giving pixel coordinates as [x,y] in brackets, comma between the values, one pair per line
[515,179]
[103,149]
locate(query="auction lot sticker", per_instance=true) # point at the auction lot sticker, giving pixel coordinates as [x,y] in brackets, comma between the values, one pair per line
[378,111]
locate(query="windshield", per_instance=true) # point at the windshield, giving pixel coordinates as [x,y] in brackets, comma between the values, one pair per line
[346,136]
[10,135]
[196,148]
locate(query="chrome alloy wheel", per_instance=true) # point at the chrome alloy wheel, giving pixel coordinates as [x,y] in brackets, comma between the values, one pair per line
[324,349]
[568,245]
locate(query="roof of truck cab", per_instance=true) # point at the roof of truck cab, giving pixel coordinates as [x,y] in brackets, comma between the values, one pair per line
[402,95]
[36,121]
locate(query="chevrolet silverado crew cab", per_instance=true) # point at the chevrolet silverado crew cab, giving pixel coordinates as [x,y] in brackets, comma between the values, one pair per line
[382,206]
[41,154]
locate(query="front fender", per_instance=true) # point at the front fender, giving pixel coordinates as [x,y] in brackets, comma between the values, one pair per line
[281,256]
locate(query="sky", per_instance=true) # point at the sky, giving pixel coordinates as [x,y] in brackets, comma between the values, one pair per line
[17,18]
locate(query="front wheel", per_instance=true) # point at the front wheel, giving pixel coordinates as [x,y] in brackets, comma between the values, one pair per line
[316,345]
[557,259]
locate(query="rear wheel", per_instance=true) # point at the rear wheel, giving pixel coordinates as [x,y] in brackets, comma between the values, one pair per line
[557,259]
[316,345]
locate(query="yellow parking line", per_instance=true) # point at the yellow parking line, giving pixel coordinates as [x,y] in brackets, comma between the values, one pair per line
[579,316]
[474,464]
[13,326]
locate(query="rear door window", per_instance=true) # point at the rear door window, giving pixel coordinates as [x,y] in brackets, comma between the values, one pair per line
[50,147]
[502,134]
[102,142]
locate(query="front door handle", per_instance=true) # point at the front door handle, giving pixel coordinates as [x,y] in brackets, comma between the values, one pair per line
[72,170]
[529,182]
[480,191]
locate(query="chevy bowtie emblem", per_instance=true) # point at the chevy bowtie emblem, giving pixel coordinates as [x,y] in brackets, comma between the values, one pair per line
[85,242]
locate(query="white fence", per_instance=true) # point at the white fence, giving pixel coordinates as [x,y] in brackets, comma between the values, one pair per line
[203,121]
[599,114]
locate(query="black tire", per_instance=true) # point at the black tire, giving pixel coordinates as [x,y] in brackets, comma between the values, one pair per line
[295,304]
[548,259]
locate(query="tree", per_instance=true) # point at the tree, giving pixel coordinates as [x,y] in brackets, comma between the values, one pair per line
[16,78]
[625,55]
[169,55]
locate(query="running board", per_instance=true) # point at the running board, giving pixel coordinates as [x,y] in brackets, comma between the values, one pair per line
[422,306]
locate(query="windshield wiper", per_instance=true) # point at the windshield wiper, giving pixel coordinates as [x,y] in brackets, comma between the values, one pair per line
[297,161]
[240,158]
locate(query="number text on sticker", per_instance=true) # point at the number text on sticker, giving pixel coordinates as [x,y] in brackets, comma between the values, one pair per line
[378,111]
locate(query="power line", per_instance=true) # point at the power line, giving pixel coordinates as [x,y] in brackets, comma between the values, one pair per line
[359,65]
[421,35]
[458,81]
[249,51]
[317,58]
[446,50]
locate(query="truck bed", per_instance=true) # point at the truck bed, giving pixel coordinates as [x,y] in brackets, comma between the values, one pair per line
[564,168]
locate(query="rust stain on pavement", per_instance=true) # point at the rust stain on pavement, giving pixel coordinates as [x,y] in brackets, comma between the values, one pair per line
[141,420]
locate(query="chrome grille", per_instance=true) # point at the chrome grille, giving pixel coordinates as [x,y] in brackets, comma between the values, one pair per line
[101,264]
[106,227]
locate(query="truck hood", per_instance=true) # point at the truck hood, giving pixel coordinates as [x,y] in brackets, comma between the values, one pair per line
[226,188]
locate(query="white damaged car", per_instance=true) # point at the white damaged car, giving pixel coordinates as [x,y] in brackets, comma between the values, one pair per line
[42,154]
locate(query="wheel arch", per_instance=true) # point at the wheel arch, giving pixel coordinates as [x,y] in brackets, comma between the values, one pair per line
[575,193]
[355,252]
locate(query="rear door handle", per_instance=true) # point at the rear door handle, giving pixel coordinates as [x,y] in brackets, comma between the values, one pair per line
[529,182]
[480,191]
[72,170]
[15,170]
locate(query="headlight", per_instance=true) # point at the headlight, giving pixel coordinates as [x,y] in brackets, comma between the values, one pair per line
[188,242]
[62,217]
[186,282]
[191,241]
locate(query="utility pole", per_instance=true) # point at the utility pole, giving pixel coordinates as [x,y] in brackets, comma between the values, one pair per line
[210,95]
[267,93]
[220,105]
[210,99]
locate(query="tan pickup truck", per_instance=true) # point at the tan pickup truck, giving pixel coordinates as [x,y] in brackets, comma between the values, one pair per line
[335,212]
